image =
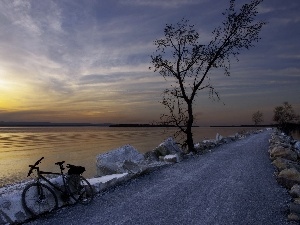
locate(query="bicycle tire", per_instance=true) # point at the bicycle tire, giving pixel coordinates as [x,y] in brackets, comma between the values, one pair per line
[38,199]
[80,189]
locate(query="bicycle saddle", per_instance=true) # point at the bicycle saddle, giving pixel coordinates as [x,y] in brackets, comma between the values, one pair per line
[60,163]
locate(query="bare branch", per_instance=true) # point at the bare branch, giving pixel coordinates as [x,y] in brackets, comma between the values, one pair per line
[179,55]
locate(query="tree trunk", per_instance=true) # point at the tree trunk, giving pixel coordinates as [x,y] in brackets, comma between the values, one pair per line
[190,141]
[189,134]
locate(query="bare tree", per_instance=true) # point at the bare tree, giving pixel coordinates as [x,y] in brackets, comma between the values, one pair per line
[257,118]
[181,58]
[284,115]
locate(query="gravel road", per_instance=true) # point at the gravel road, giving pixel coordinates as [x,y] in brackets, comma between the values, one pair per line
[233,184]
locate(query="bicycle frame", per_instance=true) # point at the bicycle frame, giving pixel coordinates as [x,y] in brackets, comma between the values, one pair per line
[40,196]
[41,177]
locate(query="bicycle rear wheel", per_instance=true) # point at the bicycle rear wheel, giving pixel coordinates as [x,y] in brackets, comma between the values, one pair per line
[38,199]
[80,189]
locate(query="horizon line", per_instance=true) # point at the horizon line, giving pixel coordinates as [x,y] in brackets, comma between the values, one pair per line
[109,124]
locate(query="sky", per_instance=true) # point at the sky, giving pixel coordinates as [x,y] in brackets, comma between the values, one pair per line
[88,61]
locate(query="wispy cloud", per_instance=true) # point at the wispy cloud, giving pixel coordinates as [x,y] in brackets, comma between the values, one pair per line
[90,59]
[164,4]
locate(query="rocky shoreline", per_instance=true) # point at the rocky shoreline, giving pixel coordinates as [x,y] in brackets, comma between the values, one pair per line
[285,156]
[127,159]
[113,168]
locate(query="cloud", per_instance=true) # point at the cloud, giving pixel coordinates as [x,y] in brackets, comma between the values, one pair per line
[90,57]
[34,19]
[163,4]
[30,35]
[100,79]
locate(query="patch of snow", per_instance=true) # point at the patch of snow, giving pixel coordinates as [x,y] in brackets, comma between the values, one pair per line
[170,156]
[208,141]
[106,178]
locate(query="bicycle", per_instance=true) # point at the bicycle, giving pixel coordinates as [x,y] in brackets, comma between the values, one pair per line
[39,198]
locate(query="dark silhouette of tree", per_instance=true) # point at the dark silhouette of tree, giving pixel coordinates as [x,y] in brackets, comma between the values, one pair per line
[181,58]
[285,115]
[257,118]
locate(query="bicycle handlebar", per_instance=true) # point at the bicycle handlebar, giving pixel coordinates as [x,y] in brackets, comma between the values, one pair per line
[38,162]
[34,166]
[60,164]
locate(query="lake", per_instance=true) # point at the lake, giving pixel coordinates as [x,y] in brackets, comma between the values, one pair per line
[21,146]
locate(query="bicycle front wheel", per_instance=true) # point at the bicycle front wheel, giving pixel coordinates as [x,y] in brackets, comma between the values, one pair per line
[38,199]
[80,189]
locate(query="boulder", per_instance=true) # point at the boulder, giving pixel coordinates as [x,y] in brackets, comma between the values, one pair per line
[297,201]
[168,147]
[200,147]
[151,156]
[288,178]
[130,166]
[125,159]
[218,137]
[293,217]
[282,152]
[282,164]
[171,146]
[239,136]
[295,191]
[205,145]
[295,208]
[227,140]
[162,150]
[171,158]
[279,163]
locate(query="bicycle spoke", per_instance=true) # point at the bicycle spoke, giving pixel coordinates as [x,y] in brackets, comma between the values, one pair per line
[38,199]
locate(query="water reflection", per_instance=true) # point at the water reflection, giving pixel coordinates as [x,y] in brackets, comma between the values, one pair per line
[20,147]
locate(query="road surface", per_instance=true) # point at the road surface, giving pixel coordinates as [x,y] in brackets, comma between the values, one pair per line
[233,184]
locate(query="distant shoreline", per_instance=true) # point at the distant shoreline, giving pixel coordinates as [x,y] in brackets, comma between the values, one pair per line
[140,125]
[50,124]
[270,125]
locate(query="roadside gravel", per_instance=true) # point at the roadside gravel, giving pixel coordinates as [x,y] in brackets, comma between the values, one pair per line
[233,184]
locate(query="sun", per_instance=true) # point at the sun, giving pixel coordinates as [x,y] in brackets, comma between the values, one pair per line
[5,84]
[8,91]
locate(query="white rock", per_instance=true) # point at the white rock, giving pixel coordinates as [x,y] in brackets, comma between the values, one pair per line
[209,141]
[218,137]
[171,158]
[169,146]
[121,160]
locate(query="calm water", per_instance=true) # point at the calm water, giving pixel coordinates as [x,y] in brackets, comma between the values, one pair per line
[20,147]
